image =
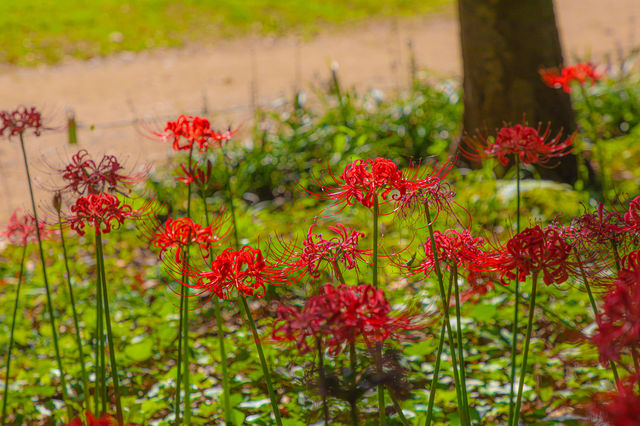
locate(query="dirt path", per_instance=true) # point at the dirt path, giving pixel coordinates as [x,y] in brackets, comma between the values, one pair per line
[169,82]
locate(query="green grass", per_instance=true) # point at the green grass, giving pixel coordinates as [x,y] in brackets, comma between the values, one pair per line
[47,31]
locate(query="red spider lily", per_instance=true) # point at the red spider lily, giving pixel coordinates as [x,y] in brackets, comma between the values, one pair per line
[535,250]
[480,282]
[632,216]
[531,146]
[317,252]
[87,177]
[16,122]
[620,407]
[104,211]
[364,180]
[580,73]
[599,228]
[619,321]
[439,195]
[244,271]
[200,177]
[188,130]
[177,234]
[455,248]
[105,420]
[341,315]
[21,230]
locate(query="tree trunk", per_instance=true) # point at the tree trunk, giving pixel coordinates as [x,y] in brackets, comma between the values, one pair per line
[504,44]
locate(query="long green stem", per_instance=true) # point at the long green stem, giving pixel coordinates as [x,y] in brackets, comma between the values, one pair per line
[85,380]
[353,403]
[231,204]
[263,361]
[462,411]
[524,301]
[398,408]
[54,331]
[598,149]
[107,316]
[323,390]
[436,368]
[13,326]
[223,353]
[99,394]
[516,304]
[463,378]
[183,329]
[382,416]
[525,355]
[612,365]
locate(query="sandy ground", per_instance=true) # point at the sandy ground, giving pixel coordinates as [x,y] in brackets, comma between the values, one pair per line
[229,76]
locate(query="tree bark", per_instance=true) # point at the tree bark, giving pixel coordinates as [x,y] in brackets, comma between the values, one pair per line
[504,44]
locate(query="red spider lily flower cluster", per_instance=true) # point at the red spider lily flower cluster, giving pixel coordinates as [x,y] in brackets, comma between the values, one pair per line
[341,315]
[196,175]
[364,180]
[16,122]
[84,176]
[536,250]
[91,420]
[244,271]
[455,248]
[318,252]
[104,211]
[527,143]
[619,321]
[440,195]
[188,130]
[599,228]
[632,217]
[177,234]
[21,229]
[620,407]
[580,73]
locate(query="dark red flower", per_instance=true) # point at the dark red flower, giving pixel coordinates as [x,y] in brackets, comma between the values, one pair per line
[16,122]
[632,216]
[317,252]
[244,271]
[104,211]
[480,282]
[363,181]
[188,130]
[620,407]
[455,248]
[534,251]
[341,315]
[21,230]
[91,420]
[177,234]
[527,143]
[580,73]
[599,228]
[84,176]
[619,320]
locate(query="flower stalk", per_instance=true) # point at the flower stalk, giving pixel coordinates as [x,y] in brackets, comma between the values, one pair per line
[85,380]
[13,326]
[54,331]
[525,355]
[263,361]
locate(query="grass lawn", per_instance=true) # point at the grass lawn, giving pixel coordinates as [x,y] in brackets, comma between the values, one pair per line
[47,31]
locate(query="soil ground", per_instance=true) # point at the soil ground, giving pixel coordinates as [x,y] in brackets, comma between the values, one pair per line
[230,76]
